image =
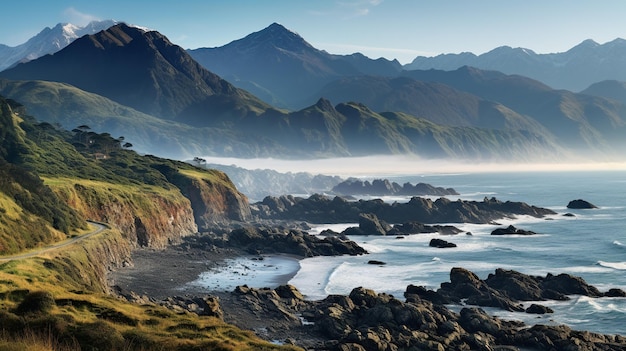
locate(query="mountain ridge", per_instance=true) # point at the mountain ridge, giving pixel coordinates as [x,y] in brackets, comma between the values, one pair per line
[575,69]
[285,64]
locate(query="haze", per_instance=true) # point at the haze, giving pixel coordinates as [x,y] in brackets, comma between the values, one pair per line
[380,166]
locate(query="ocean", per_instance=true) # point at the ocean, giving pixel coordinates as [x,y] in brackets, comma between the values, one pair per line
[592,245]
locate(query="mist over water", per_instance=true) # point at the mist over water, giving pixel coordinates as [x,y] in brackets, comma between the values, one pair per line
[376,166]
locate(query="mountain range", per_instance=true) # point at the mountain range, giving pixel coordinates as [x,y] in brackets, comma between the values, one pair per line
[575,70]
[130,81]
[283,68]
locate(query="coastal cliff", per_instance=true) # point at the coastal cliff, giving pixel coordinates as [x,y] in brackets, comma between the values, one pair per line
[146,216]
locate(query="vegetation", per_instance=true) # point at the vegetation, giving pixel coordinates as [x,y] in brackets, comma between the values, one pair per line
[45,307]
[57,300]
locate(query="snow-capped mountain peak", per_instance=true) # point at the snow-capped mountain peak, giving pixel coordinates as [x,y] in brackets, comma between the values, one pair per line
[49,41]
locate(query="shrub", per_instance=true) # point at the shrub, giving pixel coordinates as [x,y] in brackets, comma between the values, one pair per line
[36,302]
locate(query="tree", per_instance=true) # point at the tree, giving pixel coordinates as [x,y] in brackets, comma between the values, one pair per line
[127,145]
[199,161]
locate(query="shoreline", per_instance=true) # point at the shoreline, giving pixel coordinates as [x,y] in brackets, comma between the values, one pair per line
[160,274]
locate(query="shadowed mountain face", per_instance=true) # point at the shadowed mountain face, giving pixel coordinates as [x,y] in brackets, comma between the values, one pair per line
[279,66]
[207,115]
[610,89]
[145,71]
[578,121]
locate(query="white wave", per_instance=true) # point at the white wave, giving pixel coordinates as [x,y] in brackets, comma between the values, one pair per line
[615,265]
[617,243]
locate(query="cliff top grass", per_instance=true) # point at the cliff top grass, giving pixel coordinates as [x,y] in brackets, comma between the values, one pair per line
[52,295]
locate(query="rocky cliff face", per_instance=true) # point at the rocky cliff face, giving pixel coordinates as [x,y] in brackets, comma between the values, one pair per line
[213,203]
[214,198]
[146,218]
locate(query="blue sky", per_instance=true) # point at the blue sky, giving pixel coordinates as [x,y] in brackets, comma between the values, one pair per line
[401,29]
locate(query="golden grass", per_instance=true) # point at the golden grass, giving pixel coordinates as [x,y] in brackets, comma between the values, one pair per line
[82,315]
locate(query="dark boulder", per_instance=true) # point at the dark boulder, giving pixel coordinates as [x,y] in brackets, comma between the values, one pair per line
[538,309]
[376,262]
[511,230]
[438,243]
[580,204]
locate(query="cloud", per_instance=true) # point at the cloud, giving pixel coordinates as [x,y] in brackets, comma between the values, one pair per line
[358,8]
[347,9]
[78,18]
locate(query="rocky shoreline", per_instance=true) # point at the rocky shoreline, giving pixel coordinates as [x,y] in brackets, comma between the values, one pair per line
[364,319]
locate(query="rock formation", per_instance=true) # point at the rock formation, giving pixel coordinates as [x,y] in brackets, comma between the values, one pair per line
[511,230]
[259,240]
[383,187]
[322,209]
[580,204]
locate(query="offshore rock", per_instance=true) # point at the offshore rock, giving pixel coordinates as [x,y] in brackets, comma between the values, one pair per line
[511,230]
[441,244]
[322,209]
[580,204]
[383,187]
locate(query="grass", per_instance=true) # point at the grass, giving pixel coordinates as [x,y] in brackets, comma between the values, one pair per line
[83,318]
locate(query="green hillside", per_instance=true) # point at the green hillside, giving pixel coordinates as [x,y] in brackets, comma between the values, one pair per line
[51,180]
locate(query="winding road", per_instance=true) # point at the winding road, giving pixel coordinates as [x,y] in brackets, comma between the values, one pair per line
[98,228]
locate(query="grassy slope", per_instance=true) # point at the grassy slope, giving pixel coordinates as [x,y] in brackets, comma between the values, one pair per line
[56,300]
[69,106]
[81,318]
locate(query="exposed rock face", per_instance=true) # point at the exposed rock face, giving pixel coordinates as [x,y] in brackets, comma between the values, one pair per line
[580,204]
[145,219]
[213,202]
[383,187]
[511,230]
[322,209]
[257,240]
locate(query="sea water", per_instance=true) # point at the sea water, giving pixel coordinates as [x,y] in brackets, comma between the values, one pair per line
[591,244]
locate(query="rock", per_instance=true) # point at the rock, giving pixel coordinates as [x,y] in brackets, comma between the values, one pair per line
[289,292]
[322,209]
[409,228]
[569,215]
[615,293]
[538,309]
[375,262]
[383,187]
[366,320]
[369,224]
[260,240]
[511,230]
[580,204]
[438,243]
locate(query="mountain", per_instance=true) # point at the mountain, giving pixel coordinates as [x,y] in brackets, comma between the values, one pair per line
[139,85]
[360,131]
[282,68]
[610,89]
[48,41]
[64,104]
[145,71]
[433,101]
[575,69]
[579,121]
